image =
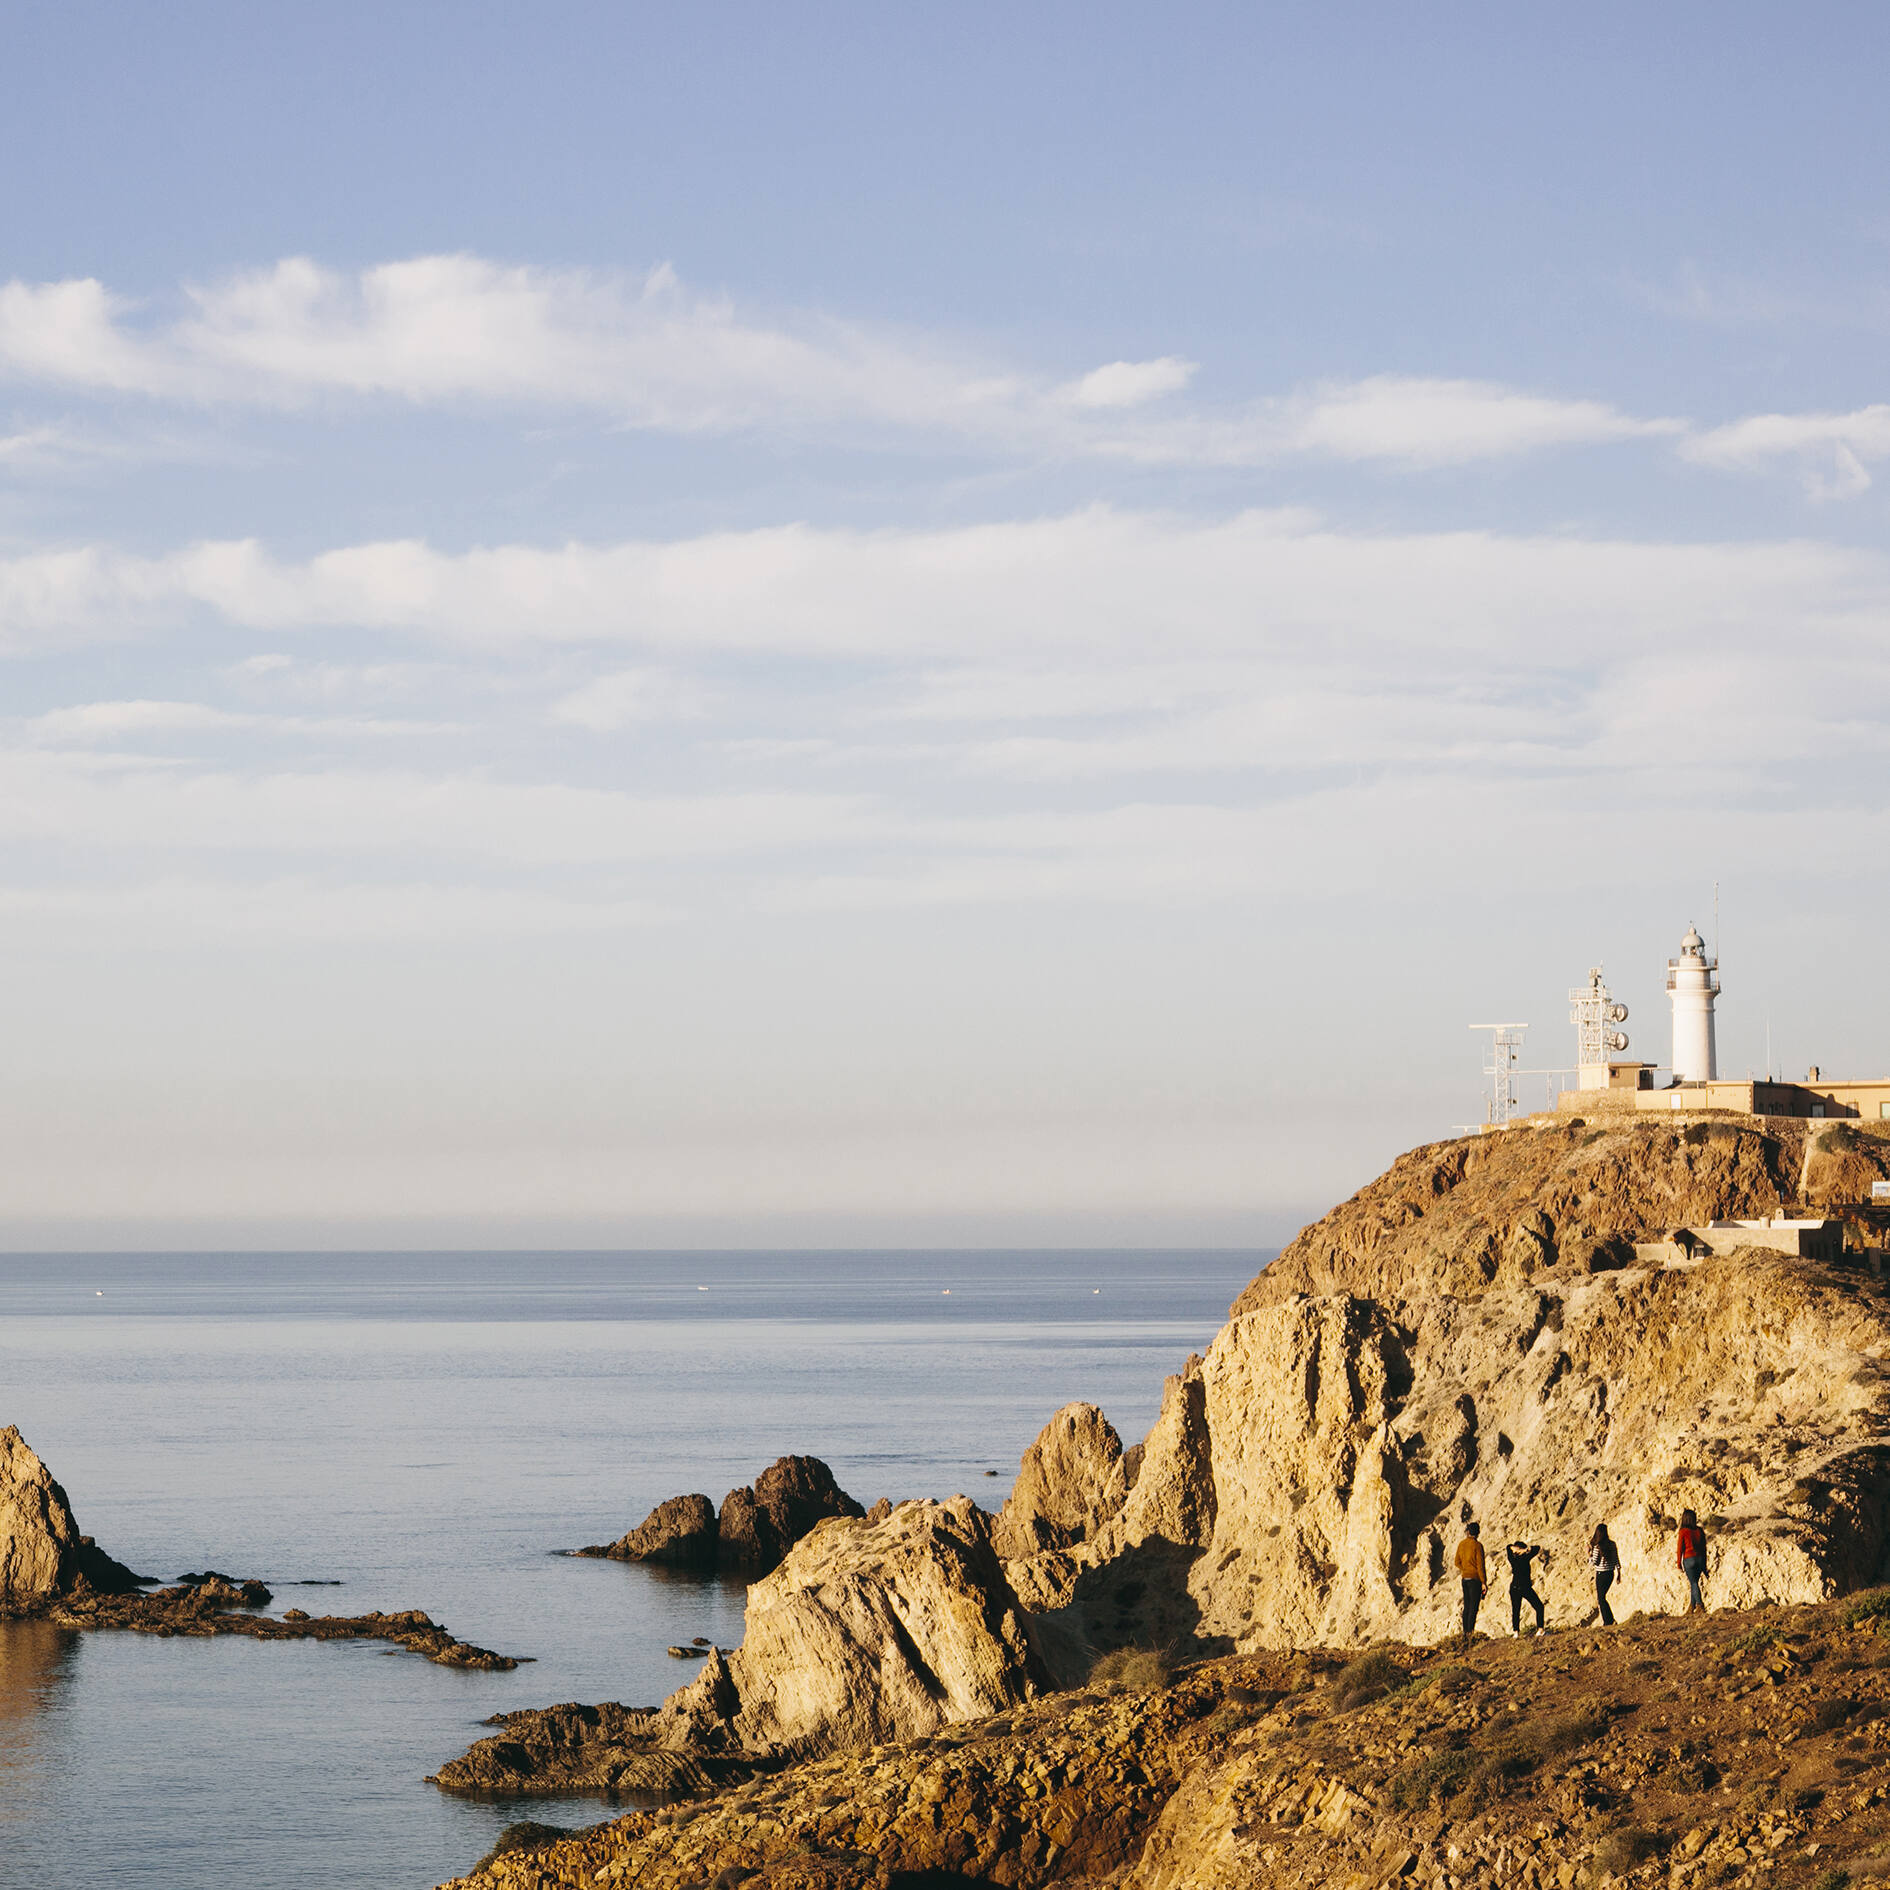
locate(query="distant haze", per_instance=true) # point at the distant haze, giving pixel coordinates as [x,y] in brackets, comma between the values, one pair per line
[763,627]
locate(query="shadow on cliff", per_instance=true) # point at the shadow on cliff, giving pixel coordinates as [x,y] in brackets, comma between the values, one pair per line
[1139,1598]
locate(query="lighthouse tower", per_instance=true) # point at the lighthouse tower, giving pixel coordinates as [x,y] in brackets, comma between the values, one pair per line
[1692,984]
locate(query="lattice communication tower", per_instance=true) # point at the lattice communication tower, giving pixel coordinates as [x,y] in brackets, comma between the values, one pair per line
[1505,1042]
[1592,1010]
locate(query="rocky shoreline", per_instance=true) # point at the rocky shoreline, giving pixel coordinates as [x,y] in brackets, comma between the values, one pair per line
[207,1609]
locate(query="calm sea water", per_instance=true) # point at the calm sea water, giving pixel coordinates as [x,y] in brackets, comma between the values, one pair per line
[429,1431]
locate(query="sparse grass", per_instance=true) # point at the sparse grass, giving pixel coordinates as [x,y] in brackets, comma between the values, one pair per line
[1482,1775]
[1833,1880]
[1133,1669]
[1754,1642]
[526,1835]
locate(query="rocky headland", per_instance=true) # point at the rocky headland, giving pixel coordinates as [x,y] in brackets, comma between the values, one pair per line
[1499,1327]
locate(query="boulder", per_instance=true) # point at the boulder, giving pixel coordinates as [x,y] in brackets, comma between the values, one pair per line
[42,1553]
[1069,1483]
[869,1632]
[680,1533]
[759,1524]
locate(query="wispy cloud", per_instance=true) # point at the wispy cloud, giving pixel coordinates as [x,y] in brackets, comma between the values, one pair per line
[1832,451]
[650,353]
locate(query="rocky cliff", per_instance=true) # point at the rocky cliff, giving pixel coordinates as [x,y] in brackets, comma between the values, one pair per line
[1470,1335]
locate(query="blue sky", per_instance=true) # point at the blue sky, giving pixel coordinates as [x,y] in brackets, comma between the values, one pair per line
[769,625]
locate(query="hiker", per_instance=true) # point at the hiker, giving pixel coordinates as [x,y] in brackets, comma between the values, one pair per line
[1522,1584]
[1606,1563]
[1690,1552]
[1470,1567]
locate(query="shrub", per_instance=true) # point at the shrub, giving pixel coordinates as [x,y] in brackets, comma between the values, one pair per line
[1621,1850]
[1432,1780]
[1518,1753]
[1370,1677]
[1873,1605]
[1138,1669]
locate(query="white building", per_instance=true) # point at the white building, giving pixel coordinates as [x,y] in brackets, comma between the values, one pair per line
[1693,985]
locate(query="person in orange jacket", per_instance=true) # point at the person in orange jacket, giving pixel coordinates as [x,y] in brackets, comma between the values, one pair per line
[1470,1567]
[1690,1552]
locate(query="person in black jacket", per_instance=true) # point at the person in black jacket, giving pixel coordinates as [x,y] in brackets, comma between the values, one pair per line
[1605,1560]
[1522,1584]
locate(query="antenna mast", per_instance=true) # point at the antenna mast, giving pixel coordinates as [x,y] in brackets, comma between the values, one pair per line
[1505,1042]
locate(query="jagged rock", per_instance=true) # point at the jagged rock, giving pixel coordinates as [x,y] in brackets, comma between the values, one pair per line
[880,1510]
[680,1533]
[869,1632]
[1069,1483]
[42,1553]
[759,1524]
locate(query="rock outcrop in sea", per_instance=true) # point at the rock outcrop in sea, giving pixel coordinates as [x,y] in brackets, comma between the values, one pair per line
[757,1525]
[42,1554]
[48,1571]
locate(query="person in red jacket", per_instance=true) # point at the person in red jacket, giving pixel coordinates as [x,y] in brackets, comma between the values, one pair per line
[1690,1553]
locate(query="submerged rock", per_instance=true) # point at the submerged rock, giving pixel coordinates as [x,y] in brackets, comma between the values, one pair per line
[42,1553]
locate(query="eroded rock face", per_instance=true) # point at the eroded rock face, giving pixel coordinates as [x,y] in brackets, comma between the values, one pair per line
[1471,1334]
[1070,1482]
[758,1525]
[680,1533]
[42,1553]
[869,1632]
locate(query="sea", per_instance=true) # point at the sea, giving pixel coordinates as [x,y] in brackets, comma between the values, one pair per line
[436,1431]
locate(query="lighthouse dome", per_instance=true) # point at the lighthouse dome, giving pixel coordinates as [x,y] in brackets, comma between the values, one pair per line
[1693,945]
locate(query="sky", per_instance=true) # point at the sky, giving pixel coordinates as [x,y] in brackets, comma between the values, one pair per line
[825,625]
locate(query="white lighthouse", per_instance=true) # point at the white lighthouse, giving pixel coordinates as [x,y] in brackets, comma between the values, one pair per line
[1693,985]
